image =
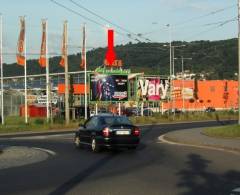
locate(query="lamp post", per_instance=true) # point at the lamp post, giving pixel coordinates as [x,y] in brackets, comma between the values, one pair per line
[183,79]
[170,62]
[172,72]
[171,65]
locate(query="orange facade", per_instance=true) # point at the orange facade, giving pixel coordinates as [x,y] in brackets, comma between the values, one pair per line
[77,89]
[220,94]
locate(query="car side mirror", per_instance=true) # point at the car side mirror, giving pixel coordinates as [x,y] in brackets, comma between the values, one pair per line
[81,126]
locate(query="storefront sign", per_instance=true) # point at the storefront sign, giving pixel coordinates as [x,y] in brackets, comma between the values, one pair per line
[42,99]
[152,89]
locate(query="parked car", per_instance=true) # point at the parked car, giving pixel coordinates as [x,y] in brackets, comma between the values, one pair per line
[108,131]
[147,112]
[171,111]
[137,112]
[210,109]
[130,111]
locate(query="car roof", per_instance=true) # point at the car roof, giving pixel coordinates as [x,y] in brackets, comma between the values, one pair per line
[110,115]
[105,114]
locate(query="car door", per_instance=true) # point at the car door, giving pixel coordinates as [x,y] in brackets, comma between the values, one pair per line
[91,128]
[83,131]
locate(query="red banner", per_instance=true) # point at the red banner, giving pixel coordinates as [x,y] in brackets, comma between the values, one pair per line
[64,48]
[82,65]
[42,59]
[21,44]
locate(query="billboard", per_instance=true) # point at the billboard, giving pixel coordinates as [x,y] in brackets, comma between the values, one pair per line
[106,87]
[152,89]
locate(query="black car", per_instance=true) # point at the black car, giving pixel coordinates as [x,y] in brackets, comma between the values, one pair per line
[172,111]
[210,109]
[108,131]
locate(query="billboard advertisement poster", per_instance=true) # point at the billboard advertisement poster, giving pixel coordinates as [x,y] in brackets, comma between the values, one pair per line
[187,93]
[152,89]
[108,87]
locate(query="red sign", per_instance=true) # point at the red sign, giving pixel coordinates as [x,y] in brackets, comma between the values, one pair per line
[110,55]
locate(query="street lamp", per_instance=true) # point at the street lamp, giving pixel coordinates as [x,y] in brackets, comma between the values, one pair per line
[183,79]
[170,61]
[172,71]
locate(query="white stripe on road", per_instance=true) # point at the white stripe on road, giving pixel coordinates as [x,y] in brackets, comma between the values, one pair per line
[45,150]
[41,136]
[235,191]
[161,139]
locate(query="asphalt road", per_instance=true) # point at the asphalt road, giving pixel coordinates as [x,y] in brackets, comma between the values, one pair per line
[154,168]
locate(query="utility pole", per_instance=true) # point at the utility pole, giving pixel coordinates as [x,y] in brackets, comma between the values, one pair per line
[173,72]
[238,62]
[48,91]
[85,75]
[50,101]
[170,64]
[183,79]
[66,76]
[25,72]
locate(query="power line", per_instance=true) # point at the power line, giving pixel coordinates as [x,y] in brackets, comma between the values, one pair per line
[213,28]
[108,21]
[208,24]
[87,18]
[194,18]
[208,14]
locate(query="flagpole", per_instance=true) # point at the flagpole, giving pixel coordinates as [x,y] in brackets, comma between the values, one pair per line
[66,75]
[1,59]
[47,72]
[85,74]
[25,74]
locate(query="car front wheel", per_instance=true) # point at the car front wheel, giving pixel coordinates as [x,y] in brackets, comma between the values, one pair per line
[77,142]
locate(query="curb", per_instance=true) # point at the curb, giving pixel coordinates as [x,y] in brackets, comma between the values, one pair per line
[182,122]
[41,133]
[163,138]
[219,137]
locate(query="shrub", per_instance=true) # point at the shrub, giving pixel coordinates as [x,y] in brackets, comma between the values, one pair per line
[58,120]
[39,121]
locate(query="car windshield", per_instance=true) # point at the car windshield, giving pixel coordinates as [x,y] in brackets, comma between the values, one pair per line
[116,120]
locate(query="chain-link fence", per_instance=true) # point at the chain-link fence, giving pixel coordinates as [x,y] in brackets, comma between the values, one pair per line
[12,101]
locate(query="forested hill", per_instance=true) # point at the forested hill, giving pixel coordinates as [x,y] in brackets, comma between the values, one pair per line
[217,59]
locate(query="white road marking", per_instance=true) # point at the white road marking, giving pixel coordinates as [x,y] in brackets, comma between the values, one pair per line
[162,140]
[235,191]
[46,150]
[42,136]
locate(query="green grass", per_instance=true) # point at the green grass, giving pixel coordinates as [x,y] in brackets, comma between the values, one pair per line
[230,131]
[186,117]
[15,124]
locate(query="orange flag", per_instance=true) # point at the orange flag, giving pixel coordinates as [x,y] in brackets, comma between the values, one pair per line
[42,59]
[82,65]
[64,48]
[21,44]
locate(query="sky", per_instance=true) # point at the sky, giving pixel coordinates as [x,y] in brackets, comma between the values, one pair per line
[145,20]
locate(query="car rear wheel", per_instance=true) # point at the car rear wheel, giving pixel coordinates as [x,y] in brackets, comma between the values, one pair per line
[132,147]
[94,146]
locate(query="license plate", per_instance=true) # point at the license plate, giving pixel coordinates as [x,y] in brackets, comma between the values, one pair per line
[122,132]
